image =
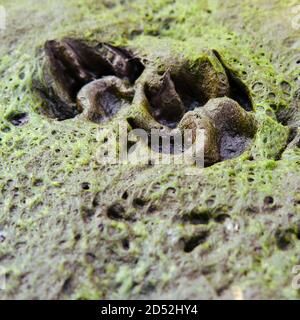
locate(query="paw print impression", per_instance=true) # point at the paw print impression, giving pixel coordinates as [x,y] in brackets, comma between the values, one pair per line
[174,94]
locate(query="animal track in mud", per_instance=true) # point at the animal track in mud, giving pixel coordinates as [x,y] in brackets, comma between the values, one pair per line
[286,238]
[97,82]
[18,119]
[190,243]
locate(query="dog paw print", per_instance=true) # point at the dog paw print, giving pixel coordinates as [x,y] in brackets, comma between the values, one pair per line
[172,94]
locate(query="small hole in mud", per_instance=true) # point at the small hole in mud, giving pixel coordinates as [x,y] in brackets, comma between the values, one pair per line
[268,200]
[284,239]
[90,257]
[221,217]
[138,202]
[38,182]
[152,208]
[6,129]
[18,119]
[77,237]
[2,237]
[115,211]
[125,244]
[195,217]
[67,287]
[271,96]
[85,185]
[191,243]
[285,86]
[210,202]
[171,191]
[125,195]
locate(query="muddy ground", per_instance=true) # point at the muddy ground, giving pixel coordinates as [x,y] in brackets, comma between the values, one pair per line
[73,227]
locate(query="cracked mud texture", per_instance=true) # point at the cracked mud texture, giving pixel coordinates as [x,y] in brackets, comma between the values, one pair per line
[73,228]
